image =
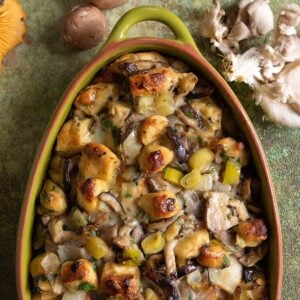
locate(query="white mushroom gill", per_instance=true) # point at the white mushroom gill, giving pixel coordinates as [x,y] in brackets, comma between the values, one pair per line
[254,18]
[273,70]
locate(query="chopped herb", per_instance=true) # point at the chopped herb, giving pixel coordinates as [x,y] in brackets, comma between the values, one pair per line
[228,216]
[107,123]
[65,227]
[190,115]
[86,287]
[225,262]
[132,242]
[127,195]
[92,231]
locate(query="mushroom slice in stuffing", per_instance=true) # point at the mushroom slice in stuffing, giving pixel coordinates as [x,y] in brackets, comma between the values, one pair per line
[97,161]
[79,275]
[154,158]
[58,234]
[120,280]
[131,147]
[52,199]
[170,258]
[152,129]
[160,205]
[95,97]
[74,135]
[88,194]
[112,202]
[254,255]
[219,216]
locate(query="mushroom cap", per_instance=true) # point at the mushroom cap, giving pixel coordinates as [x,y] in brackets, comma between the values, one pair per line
[12,26]
[84,27]
[105,4]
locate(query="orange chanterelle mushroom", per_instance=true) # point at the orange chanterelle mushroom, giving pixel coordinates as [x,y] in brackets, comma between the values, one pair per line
[12,26]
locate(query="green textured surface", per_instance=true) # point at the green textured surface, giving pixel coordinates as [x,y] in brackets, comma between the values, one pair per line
[36,74]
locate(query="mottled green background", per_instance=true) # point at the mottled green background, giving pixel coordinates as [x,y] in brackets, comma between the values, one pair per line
[36,74]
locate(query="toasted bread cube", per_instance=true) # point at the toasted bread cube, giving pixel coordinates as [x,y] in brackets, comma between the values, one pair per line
[118,113]
[211,114]
[153,82]
[120,280]
[189,246]
[79,275]
[95,97]
[234,150]
[154,158]
[73,136]
[97,161]
[87,194]
[53,199]
[153,128]
[160,205]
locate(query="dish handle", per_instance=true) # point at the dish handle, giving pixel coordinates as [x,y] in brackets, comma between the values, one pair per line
[151,13]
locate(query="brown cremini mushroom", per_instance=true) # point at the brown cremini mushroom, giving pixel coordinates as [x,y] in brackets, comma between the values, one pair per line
[12,24]
[106,4]
[84,27]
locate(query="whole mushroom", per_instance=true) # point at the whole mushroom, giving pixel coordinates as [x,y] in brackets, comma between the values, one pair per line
[84,27]
[105,4]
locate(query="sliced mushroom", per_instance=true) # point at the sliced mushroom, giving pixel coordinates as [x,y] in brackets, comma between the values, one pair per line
[178,146]
[131,147]
[163,224]
[112,202]
[185,270]
[170,259]
[219,217]
[254,255]
[169,288]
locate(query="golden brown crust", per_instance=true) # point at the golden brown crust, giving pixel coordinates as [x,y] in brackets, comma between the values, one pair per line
[152,128]
[120,280]
[212,256]
[252,232]
[154,158]
[160,205]
[73,136]
[98,161]
[75,273]
[153,82]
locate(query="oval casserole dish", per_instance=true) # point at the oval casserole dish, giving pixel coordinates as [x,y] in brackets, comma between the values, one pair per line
[182,47]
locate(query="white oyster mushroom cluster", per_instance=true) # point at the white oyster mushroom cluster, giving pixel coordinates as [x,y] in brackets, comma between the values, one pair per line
[273,71]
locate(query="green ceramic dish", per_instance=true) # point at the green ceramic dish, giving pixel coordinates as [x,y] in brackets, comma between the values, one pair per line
[184,48]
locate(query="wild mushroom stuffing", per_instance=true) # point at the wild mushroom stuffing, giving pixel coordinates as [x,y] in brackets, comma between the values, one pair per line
[147,196]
